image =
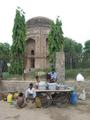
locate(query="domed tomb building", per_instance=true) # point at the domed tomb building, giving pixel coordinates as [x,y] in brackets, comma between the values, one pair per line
[37,43]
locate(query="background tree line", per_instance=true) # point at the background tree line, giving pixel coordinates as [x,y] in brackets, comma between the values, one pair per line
[76,56]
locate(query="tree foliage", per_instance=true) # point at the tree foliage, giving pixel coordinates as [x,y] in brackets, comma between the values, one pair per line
[18,46]
[4,55]
[55,40]
[87,46]
[5,51]
[86,55]
[72,47]
[73,53]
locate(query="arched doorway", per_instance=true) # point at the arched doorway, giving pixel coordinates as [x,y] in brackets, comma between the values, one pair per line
[32,60]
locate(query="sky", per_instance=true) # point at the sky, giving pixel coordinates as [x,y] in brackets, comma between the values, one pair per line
[74,14]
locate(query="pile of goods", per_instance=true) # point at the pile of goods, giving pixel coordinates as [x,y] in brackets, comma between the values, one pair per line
[52,86]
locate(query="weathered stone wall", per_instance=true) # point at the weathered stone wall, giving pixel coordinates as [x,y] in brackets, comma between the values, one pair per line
[14,85]
[23,85]
[37,30]
[39,35]
[60,66]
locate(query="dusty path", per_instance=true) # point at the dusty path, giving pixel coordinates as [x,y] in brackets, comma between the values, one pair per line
[8,112]
[79,112]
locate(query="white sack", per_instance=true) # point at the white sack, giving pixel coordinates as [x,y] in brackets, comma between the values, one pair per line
[79,77]
[82,96]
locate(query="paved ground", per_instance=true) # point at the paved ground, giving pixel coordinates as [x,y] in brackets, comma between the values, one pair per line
[79,112]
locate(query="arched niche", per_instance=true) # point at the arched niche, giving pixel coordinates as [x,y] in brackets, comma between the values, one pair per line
[30,53]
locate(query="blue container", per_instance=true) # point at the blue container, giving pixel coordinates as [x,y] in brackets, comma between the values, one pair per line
[73,98]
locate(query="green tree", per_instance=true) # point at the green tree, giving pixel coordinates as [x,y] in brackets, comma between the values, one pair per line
[86,55]
[73,52]
[5,54]
[87,46]
[72,47]
[55,40]
[18,46]
[4,51]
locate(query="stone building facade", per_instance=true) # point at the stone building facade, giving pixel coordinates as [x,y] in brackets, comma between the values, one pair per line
[37,43]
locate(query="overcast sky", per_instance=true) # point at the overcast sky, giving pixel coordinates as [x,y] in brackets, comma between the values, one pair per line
[75,16]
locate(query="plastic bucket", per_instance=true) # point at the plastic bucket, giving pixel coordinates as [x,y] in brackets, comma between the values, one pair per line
[73,98]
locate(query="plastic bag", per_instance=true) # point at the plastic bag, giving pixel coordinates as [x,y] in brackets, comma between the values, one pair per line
[79,77]
[82,96]
[38,102]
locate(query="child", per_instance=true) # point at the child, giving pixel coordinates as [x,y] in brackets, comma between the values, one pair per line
[20,101]
[37,82]
[16,95]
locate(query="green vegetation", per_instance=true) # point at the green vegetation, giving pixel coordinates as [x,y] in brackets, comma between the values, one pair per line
[73,53]
[55,40]
[18,46]
[31,75]
[9,76]
[5,51]
[4,55]
[71,73]
[86,55]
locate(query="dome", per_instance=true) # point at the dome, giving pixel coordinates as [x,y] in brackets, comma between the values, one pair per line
[38,22]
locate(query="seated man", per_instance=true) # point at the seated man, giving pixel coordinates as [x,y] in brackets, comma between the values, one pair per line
[53,76]
[48,77]
[30,93]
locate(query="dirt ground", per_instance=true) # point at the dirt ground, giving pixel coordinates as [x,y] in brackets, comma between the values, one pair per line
[81,111]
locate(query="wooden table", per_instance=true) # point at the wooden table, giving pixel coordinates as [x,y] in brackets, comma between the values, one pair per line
[56,97]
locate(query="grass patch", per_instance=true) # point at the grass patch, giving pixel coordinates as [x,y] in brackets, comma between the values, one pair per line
[71,74]
[8,76]
[40,72]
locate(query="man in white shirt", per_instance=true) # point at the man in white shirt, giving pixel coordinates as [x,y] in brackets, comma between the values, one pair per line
[30,93]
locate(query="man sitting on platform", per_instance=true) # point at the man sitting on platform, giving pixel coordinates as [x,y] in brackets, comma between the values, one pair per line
[53,76]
